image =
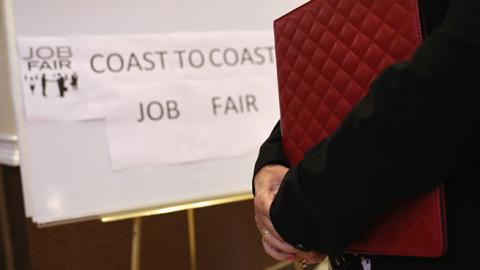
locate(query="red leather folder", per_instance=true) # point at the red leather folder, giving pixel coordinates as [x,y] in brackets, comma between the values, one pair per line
[328,52]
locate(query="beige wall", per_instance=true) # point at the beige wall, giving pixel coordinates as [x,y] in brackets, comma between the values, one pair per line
[7,116]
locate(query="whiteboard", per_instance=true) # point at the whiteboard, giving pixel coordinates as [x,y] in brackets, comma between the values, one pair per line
[65,166]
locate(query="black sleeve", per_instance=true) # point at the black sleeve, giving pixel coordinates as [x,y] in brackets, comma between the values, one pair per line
[271,152]
[419,123]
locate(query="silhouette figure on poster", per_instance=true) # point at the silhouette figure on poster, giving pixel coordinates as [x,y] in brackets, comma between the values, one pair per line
[61,85]
[32,85]
[60,80]
[74,82]
[44,85]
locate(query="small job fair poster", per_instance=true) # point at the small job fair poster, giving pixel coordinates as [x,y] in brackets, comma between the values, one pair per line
[165,98]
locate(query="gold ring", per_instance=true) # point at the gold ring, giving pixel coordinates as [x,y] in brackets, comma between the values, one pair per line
[265,232]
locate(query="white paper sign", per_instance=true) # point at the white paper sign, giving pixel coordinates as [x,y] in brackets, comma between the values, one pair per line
[168,98]
[185,122]
[68,78]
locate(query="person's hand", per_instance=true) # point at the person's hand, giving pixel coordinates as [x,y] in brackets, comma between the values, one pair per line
[267,181]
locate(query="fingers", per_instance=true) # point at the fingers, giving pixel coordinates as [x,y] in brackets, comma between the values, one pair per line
[277,243]
[262,214]
[277,254]
[277,248]
[267,181]
[266,223]
[265,226]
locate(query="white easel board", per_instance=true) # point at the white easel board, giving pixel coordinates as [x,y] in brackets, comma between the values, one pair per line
[65,166]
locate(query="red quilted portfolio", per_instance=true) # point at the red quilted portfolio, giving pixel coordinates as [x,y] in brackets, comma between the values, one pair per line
[328,53]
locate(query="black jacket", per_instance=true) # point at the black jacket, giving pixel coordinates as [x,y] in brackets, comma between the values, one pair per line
[418,126]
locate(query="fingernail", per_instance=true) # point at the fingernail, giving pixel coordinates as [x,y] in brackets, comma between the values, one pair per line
[291,258]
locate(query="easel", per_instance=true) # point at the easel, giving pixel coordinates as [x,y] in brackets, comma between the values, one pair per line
[189,206]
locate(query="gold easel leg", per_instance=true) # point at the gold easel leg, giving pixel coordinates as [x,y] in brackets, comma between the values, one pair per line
[191,239]
[136,241]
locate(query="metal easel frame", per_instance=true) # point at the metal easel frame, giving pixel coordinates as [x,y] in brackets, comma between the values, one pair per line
[188,206]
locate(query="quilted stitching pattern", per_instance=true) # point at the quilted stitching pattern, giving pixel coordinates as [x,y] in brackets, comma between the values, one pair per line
[328,53]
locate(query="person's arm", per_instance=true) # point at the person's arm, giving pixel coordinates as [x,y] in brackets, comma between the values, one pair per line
[418,124]
[271,152]
[269,171]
